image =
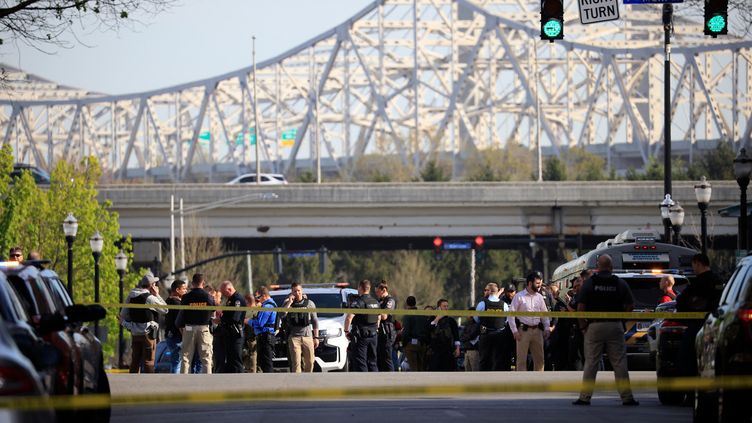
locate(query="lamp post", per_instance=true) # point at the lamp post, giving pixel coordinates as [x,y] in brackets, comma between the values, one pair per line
[676,214]
[667,18]
[703,190]
[121,263]
[96,242]
[742,168]
[665,206]
[70,227]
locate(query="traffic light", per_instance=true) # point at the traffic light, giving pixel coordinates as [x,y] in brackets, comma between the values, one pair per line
[552,20]
[716,17]
[437,244]
[478,244]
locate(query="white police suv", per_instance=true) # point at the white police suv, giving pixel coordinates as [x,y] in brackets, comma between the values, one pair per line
[331,354]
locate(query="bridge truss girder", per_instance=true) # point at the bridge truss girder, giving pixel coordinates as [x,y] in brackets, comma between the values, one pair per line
[417,79]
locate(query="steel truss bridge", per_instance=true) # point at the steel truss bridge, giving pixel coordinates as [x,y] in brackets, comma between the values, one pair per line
[416,80]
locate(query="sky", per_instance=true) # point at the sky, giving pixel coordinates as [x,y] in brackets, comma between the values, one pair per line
[196,39]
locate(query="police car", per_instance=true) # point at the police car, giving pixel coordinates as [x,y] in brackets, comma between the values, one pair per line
[331,354]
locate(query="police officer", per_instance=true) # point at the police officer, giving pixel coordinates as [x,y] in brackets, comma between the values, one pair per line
[491,341]
[703,294]
[302,330]
[605,292]
[231,326]
[195,325]
[264,327]
[362,329]
[387,334]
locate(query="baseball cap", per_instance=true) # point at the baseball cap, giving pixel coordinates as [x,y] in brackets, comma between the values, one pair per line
[148,280]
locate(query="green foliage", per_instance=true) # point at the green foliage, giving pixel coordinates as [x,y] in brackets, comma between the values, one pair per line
[586,166]
[716,164]
[381,168]
[554,169]
[32,218]
[513,163]
[433,172]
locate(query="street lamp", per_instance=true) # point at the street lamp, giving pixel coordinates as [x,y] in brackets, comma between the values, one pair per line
[96,242]
[70,227]
[665,206]
[742,169]
[121,263]
[703,191]
[676,215]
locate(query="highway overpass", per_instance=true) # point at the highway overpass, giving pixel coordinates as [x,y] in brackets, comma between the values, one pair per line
[410,215]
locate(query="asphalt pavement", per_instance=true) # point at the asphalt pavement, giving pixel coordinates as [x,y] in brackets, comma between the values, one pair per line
[540,406]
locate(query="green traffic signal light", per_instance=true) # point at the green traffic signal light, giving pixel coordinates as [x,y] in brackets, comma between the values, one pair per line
[716,24]
[552,28]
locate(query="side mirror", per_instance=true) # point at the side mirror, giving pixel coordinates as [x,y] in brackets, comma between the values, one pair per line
[85,313]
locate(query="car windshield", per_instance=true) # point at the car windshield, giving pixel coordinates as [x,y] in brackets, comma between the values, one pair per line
[324,300]
[646,290]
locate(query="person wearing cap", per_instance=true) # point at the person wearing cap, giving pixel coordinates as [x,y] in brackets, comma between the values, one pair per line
[531,330]
[142,323]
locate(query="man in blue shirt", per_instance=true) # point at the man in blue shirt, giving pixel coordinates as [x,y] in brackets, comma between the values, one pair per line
[263,328]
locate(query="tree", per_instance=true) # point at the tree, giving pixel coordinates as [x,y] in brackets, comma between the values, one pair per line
[555,169]
[44,22]
[513,163]
[381,168]
[586,166]
[433,172]
[32,218]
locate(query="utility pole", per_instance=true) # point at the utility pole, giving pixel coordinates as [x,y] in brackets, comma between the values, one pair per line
[668,12]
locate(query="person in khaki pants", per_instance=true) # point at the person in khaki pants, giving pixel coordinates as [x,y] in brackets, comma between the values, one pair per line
[302,330]
[531,331]
[195,326]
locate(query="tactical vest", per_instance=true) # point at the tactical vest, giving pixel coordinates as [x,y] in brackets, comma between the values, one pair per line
[384,302]
[605,295]
[299,319]
[490,321]
[367,302]
[141,315]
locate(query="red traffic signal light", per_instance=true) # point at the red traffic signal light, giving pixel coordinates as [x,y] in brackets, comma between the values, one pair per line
[478,242]
[438,242]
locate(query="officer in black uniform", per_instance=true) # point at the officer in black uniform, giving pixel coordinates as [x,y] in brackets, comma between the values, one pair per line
[362,333]
[195,325]
[703,294]
[387,334]
[605,292]
[491,343]
[231,327]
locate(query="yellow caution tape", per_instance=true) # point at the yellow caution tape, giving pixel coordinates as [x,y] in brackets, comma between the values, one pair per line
[459,313]
[102,401]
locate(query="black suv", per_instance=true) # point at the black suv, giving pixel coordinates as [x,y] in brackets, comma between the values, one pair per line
[79,367]
[40,176]
[724,348]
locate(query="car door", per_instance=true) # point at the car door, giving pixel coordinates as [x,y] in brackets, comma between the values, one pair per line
[714,322]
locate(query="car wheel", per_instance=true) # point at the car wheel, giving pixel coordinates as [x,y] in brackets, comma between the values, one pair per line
[705,407]
[672,397]
[731,406]
[99,415]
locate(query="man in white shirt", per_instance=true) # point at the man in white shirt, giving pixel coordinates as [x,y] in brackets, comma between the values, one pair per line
[531,331]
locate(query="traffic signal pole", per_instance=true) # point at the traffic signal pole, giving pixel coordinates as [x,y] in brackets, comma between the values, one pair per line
[472,277]
[668,11]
